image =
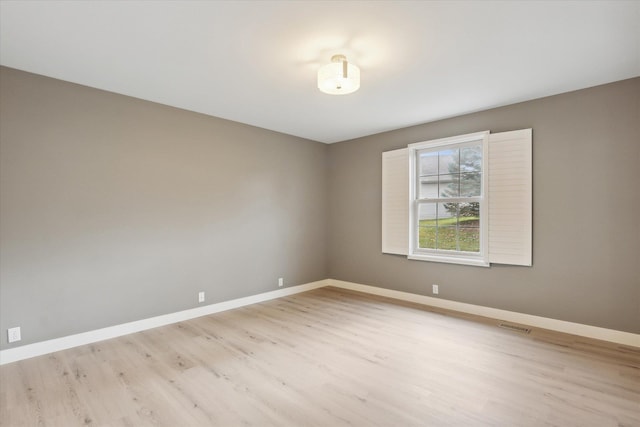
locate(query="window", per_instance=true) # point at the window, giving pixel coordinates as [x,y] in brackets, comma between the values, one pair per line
[464,199]
[448,211]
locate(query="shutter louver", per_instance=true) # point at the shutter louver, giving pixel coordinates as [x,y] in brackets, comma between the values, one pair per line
[395,202]
[510,197]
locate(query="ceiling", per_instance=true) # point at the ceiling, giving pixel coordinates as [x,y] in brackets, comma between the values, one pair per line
[255,62]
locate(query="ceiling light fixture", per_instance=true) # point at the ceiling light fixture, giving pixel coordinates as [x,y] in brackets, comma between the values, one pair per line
[339,77]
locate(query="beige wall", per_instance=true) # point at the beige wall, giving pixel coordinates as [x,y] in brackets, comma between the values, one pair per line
[586,227]
[115,209]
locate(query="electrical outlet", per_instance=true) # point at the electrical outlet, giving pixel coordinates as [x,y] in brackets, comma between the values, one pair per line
[13,334]
[280,282]
[434,289]
[201,296]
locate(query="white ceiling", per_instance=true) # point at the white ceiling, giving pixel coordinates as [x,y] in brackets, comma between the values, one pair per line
[255,61]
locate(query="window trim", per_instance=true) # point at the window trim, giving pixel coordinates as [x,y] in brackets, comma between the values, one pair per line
[453,257]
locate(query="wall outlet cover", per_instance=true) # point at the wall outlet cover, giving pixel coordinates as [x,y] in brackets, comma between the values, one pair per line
[13,334]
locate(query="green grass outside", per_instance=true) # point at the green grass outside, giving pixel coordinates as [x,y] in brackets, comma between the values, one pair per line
[443,234]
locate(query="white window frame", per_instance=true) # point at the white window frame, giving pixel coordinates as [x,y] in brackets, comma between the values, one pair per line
[439,255]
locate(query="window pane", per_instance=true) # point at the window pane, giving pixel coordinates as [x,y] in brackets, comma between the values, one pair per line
[447,214]
[427,237]
[447,238]
[427,217]
[469,222]
[429,163]
[428,187]
[447,224]
[471,159]
[449,185]
[469,238]
[470,184]
[470,212]
[427,212]
[449,161]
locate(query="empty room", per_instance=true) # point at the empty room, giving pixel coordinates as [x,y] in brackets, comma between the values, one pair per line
[319,213]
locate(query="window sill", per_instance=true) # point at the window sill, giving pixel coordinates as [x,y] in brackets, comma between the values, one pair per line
[477,262]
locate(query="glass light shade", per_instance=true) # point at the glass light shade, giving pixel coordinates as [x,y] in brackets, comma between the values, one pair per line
[333,80]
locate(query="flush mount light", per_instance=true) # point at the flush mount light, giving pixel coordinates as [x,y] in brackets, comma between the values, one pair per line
[339,77]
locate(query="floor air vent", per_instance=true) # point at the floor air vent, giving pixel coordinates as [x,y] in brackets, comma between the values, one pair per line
[514,328]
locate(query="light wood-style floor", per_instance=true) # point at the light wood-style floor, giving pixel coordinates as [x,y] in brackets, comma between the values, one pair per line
[328,358]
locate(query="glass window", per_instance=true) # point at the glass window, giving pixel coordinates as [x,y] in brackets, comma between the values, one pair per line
[448,199]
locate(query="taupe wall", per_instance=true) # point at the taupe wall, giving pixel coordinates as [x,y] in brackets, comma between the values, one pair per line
[115,209]
[586,215]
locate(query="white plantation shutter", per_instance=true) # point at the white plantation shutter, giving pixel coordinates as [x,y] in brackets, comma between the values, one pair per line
[510,197]
[395,202]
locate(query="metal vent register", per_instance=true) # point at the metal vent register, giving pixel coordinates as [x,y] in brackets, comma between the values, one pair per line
[515,328]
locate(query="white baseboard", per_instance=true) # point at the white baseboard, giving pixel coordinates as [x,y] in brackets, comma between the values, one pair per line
[63,343]
[611,335]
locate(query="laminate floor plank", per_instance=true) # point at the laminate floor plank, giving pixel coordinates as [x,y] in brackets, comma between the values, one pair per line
[329,357]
